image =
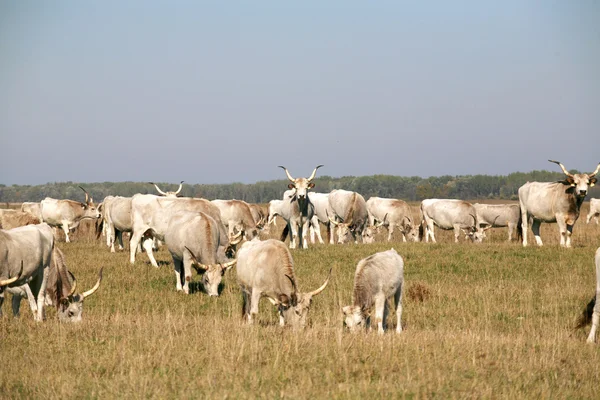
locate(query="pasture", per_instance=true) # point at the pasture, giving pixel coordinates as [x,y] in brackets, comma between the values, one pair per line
[493,320]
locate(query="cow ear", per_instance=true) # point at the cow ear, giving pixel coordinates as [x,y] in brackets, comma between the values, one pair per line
[284,300]
[570,180]
[311,185]
[593,182]
[291,186]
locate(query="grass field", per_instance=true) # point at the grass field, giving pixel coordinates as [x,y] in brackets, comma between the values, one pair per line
[492,320]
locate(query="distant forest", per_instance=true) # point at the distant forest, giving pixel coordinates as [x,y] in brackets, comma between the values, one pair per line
[407,188]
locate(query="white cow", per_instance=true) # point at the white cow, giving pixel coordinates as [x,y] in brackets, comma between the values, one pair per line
[594,210]
[451,214]
[396,214]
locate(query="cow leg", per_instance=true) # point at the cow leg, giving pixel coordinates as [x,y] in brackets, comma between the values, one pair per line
[148,244]
[380,306]
[32,302]
[65,228]
[429,231]
[330,233]
[511,228]
[456,232]
[187,271]
[304,233]
[120,238]
[318,232]
[524,222]
[177,268]
[255,297]
[134,242]
[41,294]
[107,230]
[535,227]
[391,232]
[1,301]
[294,235]
[398,303]
[16,305]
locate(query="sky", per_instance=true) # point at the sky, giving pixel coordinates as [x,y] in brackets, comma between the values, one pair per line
[221,92]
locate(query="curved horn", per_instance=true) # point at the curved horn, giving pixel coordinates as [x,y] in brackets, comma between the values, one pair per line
[492,225]
[157,188]
[180,187]
[96,286]
[595,171]
[293,282]
[228,264]
[195,261]
[72,292]
[235,239]
[567,173]
[87,196]
[331,219]
[323,286]
[287,173]
[6,282]
[312,176]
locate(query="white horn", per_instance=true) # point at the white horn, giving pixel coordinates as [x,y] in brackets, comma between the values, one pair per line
[6,282]
[180,187]
[72,292]
[87,196]
[228,264]
[314,172]
[288,174]
[323,286]
[596,171]
[157,188]
[96,286]
[562,167]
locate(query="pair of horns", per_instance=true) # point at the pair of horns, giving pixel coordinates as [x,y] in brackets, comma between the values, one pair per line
[313,293]
[310,178]
[570,174]
[235,239]
[205,267]
[492,225]
[87,196]
[168,193]
[8,281]
[89,292]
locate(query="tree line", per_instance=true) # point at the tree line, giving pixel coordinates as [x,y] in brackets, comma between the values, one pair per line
[412,188]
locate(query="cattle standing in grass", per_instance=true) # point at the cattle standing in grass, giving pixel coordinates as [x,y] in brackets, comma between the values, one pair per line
[351,216]
[259,215]
[377,278]
[25,257]
[450,214]
[320,202]
[594,210]
[558,202]
[592,311]
[237,217]
[193,239]
[265,268]
[503,214]
[67,214]
[286,209]
[117,215]
[32,208]
[61,290]
[16,219]
[398,215]
[168,194]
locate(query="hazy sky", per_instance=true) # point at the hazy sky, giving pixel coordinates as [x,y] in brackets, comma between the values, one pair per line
[223,91]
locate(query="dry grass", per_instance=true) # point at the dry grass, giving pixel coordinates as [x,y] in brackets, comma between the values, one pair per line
[494,321]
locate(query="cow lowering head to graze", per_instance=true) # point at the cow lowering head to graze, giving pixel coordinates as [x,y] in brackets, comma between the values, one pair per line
[594,210]
[267,269]
[16,219]
[26,254]
[558,202]
[450,214]
[300,209]
[237,217]
[377,278]
[350,214]
[259,214]
[117,217]
[499,216]
[168,194]
[61,290]
[320,202]
[592,311]
[398,216]
[67,214]
[32,208]
[368,235]
[193,239]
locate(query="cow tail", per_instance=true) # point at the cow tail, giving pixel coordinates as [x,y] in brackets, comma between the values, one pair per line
[520,232]
[99,226]
[586,316]
[421,231]
[284,233]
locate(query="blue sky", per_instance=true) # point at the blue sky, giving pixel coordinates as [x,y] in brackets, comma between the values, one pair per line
[217,92]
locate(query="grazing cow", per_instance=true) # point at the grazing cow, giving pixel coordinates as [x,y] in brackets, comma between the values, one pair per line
[398,215]
[592,310]
[320,202]
[168,194]
[150,216]
[193,238]
[500,216]
[259,215]
[61,287]
[594,210]
[237,216]
[25,257]
[377,278]
[368,235]
[301,210]
[286,210]
[266,268]
[350,209]
[67,214]
[558,202]
[117,214]
[32,208]
[450,214]
[16,219]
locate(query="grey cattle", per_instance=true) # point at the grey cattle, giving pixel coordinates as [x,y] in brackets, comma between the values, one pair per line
[67,214]
[117,215]
[259,215]
[286,209]
[396,214]
[368,235]
[377,278]
[350,214]
[150,217]
[168,194]
[266,268]
[450,214]
[594,210]
[25,257]
[320,203]
[61,290]
[558,202]
[301,210]
[500,216]
[237,217]
[16,219]
[32,208]
[193,239]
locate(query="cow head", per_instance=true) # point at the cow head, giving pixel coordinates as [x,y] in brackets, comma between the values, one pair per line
[476,235]
[368,234]
[295,309]
[168,194]
[355,317]
[581,182]
[301,186]
[410,231]
[89,208]
[212,274]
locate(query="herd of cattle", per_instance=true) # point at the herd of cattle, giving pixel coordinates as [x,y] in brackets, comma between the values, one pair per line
[204,235]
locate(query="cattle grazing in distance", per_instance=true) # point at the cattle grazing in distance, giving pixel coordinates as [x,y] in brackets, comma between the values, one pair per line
[500,216]
[16,219]
[322,209]
[266,268]
[67,214]
[377,278]
[558,202]
[594,210]
[168,194]
[117,219]
[237,217]
[368,235]
[398,215]
[450,214]
[25,257]
[592,310]
[300,208]
[32,208]
[61,290]
[351,216]
[194,240]
[259,214]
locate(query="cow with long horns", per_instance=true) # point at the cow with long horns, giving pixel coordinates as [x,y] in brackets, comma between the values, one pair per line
[67,214]
[302,209]
[558,202]
[350,215]
[449,214]
[168,194]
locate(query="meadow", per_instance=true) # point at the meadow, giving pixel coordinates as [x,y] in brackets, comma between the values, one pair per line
[494,320]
